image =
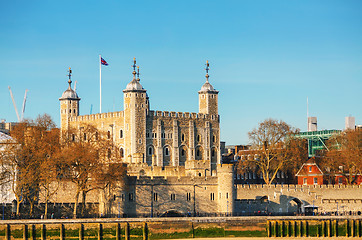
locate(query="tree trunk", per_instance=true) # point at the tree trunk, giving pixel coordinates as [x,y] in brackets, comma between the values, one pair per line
[75,205]
[46,209]
[17,208]
[31,208]
[84,195]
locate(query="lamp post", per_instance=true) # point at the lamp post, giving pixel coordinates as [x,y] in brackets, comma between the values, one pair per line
[195,185]
[119,209]
[194,201]
[227,208]
[152,196]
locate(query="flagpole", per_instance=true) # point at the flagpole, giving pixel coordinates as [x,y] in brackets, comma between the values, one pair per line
[100,84]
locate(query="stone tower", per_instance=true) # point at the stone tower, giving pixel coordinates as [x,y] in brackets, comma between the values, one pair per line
[208,102]
[69,104]
[225,184]
[135,111]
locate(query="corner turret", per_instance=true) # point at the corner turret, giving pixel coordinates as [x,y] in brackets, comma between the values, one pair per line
[69,104]
[208,96]
[136,108]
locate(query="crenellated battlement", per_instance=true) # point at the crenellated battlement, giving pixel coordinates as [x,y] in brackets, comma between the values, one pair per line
[183,115]
[97,116]
[295,187]
[166,180]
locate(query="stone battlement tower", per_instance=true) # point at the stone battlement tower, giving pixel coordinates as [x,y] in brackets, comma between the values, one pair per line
[155,143]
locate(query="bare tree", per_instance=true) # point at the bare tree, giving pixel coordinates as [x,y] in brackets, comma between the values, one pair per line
[273,149]
[91,162]
[344,155]
[49,163]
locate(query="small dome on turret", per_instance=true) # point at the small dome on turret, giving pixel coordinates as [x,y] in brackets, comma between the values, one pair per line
[134,85]
[69,94]
[207,87]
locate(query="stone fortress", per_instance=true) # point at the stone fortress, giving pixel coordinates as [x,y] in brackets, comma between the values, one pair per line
[174,163]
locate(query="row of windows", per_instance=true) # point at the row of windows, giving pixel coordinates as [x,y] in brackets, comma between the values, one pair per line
[211,96]
[163,135]
[129,105]
[169,135]
[315,181]
[188,197]
[70,111]
[131,197]
[166,150]
[142,95]
[254,175]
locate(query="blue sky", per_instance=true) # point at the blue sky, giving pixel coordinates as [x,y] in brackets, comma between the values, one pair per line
[266,57]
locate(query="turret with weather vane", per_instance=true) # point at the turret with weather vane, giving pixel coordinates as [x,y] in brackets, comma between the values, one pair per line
[69,103]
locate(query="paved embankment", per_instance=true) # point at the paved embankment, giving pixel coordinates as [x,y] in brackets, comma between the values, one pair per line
[255,219]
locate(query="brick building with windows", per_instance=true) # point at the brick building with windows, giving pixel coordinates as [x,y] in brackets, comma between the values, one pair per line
[310,174]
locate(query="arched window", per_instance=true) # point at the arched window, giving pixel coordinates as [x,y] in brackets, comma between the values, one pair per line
[183,152]
[198,153]
[109,153]
[96,135]
[213,138]
[84,136]
[198,138]
[213,153]
[121,152]
[167,151]
[108,134]
[150,151]
[121,133]
[73,137]
[182,137]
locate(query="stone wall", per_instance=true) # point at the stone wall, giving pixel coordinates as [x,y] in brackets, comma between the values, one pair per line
[292,199]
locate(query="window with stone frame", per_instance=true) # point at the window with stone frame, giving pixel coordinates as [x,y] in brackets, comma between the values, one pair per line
[150,151]
[183,152]
[212,196]
[167,151]
[173,197]
[120,133]
[121,152]
[130,197]
[155,197]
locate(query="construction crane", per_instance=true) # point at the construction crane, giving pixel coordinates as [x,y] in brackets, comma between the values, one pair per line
[24,102]
[16,109]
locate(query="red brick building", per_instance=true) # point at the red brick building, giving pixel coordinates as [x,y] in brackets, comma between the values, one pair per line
[340,179]
[310,174]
